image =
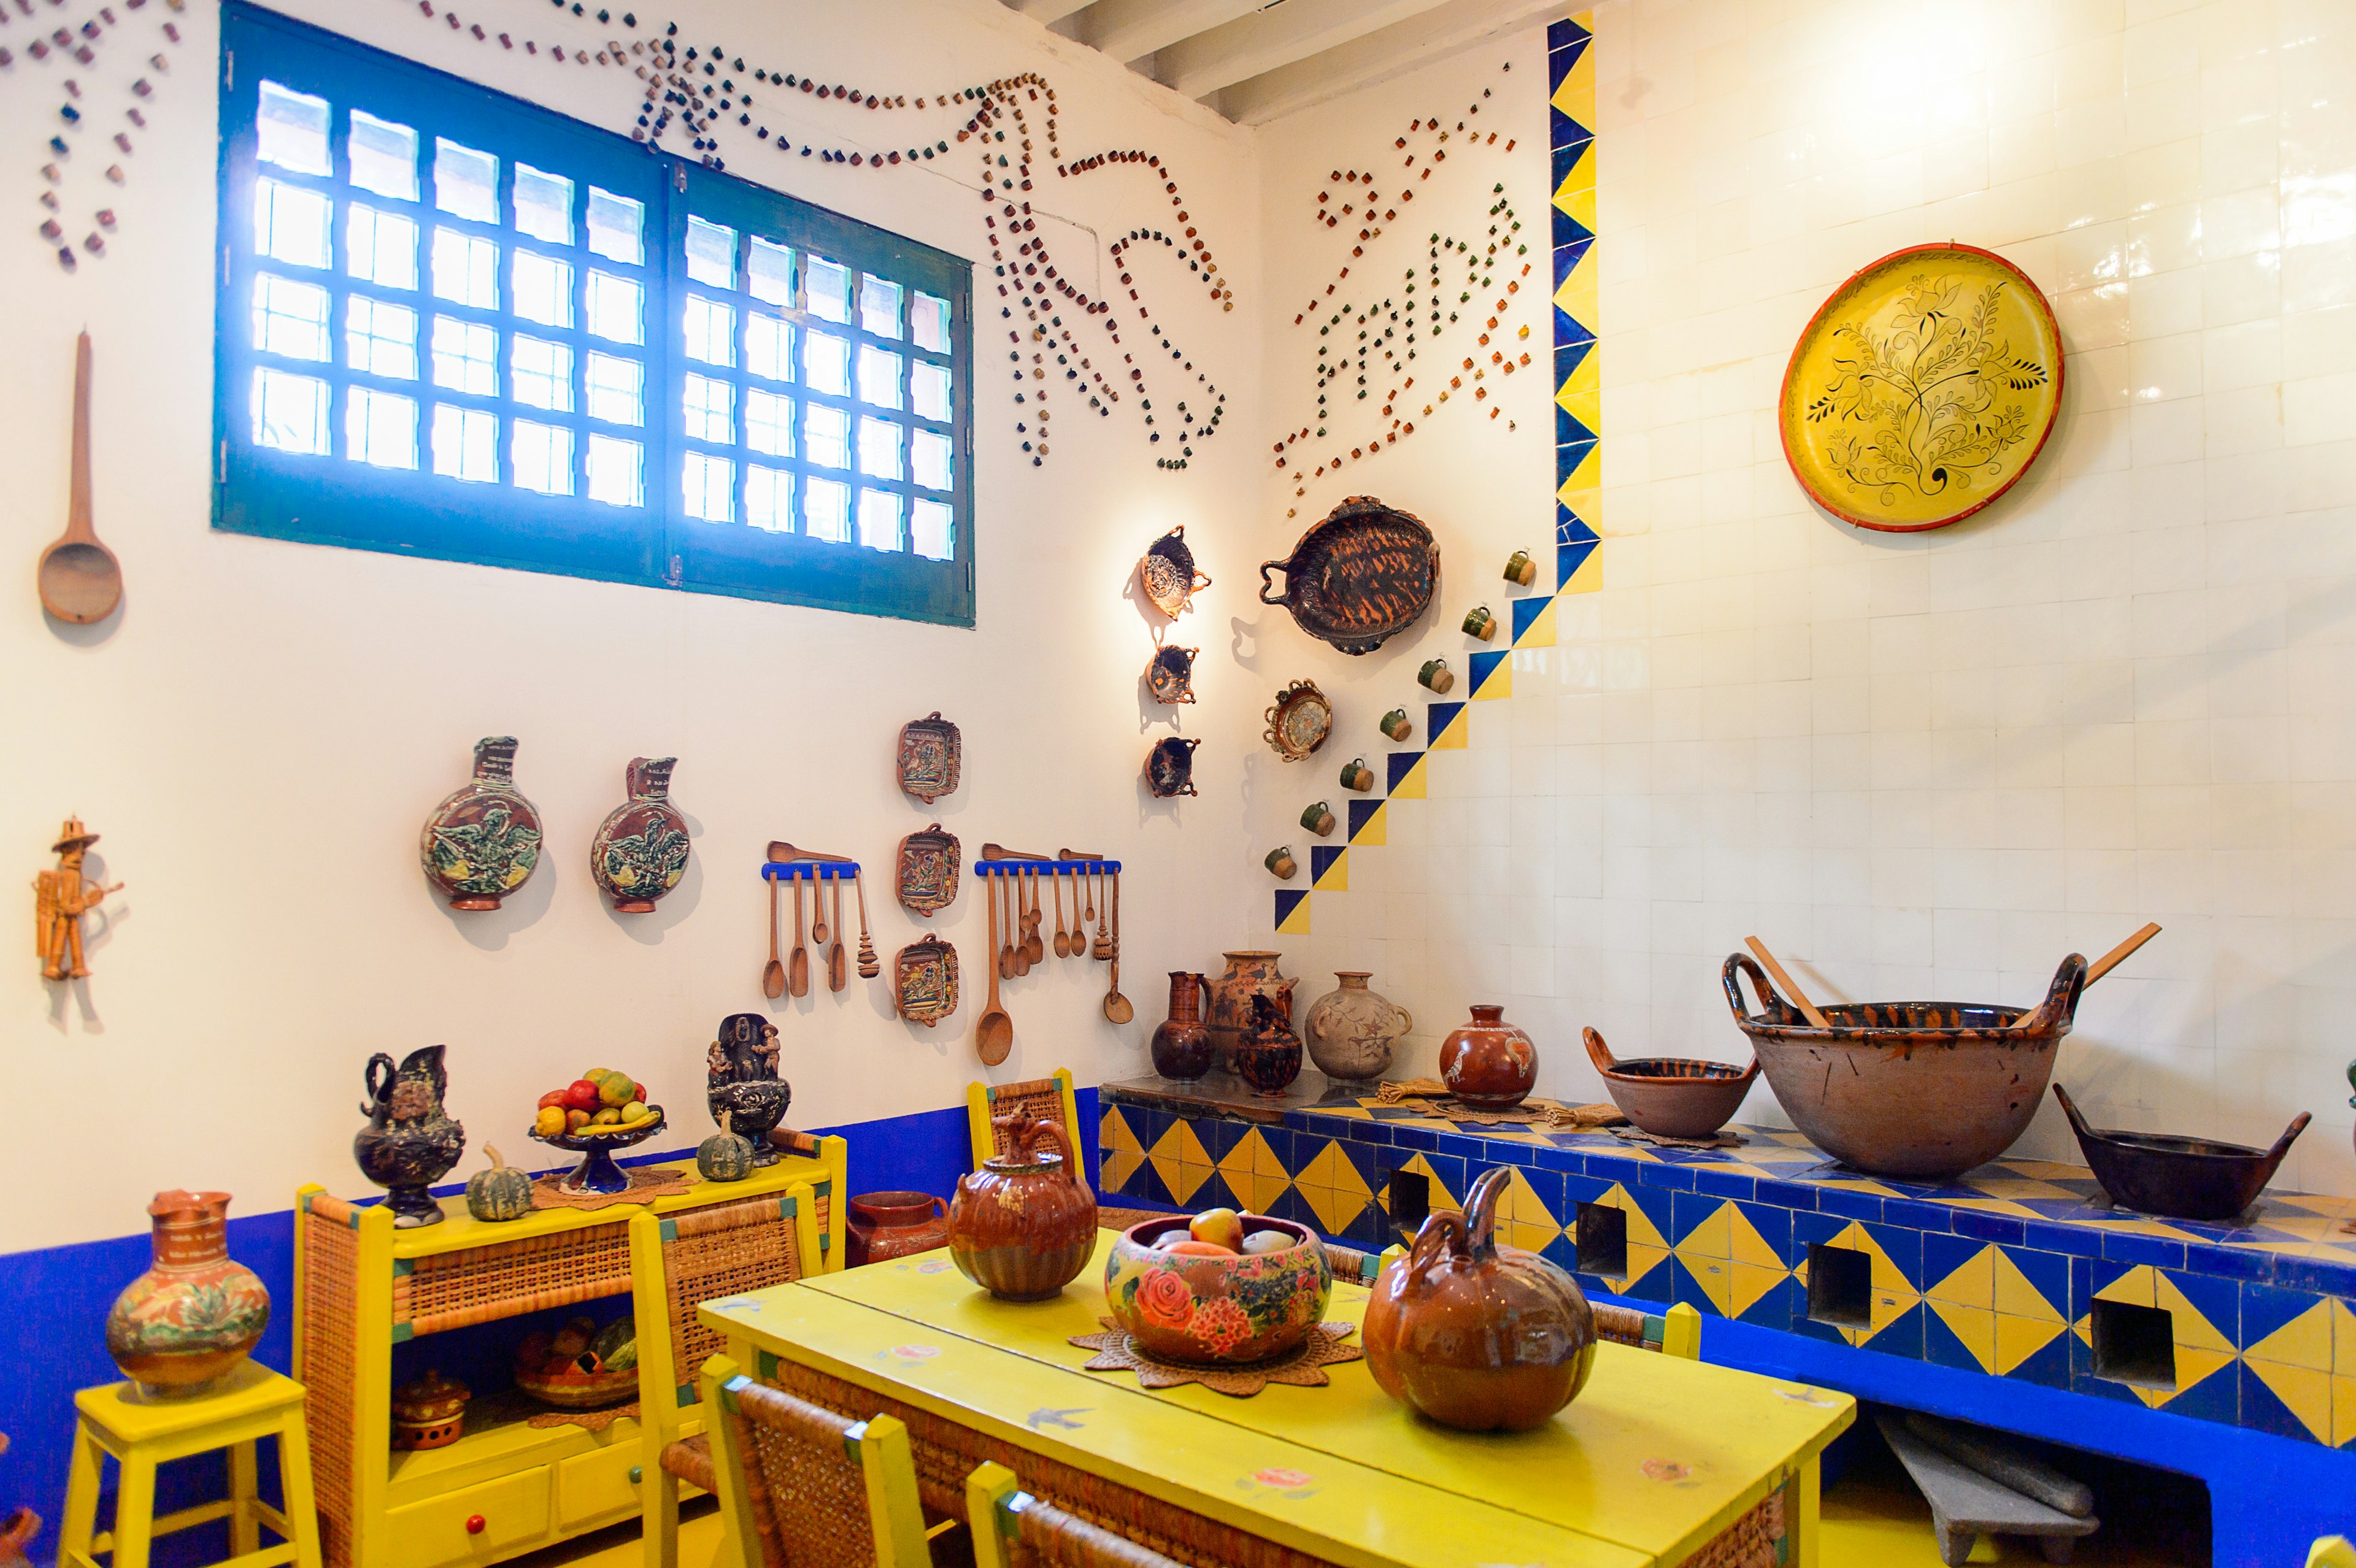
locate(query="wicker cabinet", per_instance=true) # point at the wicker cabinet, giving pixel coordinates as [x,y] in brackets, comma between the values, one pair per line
[505,1488]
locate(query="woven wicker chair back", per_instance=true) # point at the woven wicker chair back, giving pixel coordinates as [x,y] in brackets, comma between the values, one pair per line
[1035,1097]
[711,1252]
[1624,1326]
[805,1487]
[1046,1534]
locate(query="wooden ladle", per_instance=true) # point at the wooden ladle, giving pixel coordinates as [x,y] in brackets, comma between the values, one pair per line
[993,1032]
[1063,938]
[797,981]
[1116,1008]
[772,973]
[81,581]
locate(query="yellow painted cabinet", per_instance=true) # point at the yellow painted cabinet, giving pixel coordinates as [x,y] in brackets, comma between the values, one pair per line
[440,1533]
[594,1489]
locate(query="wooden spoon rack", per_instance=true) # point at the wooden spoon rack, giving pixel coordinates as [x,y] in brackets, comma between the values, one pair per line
[819,872]
[1026,891]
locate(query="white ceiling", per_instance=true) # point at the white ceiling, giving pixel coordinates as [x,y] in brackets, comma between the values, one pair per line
[1255,61]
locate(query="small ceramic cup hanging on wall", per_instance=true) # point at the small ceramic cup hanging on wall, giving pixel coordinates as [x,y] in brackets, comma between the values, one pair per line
[1479,623]
[1318,819]
[641,849]
[1520,569]
[1397,726]
[1280,861]
[1436,675]
[1356,775]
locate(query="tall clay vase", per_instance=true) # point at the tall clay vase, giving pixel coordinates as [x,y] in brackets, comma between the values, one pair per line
[1488,1063]
[179,1329]
[1229,1012]
[1350,1030]
[1025,1225]
[640,850]
[410,1142]
[1181,1045]
[483,840]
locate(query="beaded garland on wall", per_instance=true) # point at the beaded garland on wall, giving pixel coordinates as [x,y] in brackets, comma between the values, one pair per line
[81,113]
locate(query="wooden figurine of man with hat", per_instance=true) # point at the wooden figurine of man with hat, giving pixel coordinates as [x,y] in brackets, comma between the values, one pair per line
[60,897]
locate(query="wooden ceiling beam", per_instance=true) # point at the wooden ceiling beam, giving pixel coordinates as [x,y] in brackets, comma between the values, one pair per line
[1270,39]
[1394,50]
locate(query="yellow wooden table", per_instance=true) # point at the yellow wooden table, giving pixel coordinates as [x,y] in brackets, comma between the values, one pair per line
[1654,1459]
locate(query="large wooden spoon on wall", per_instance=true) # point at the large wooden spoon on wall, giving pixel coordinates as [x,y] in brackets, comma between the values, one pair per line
[81,580]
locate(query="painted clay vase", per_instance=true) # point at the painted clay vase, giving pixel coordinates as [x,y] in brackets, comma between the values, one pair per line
[1025,1225]
[1227,1013]
[179,1329]
[640,850]
[1488,1063]
[1211,1310]
[1182,1044]
[483,840]
[886,1225]
[1350,1030]
[410,1143]
[741,1081]
[1476,1335]
[1269,1056]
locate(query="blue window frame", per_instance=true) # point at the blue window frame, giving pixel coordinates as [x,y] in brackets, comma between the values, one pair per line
[454,324]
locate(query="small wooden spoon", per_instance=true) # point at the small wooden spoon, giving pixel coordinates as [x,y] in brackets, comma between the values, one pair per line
[1062,940]
[1001,930]
[798,975]
[1117,1008]
[817,912]
[1799,997]
[838,968]
[79,579]
[1034,946]
[993,1032]
[772,973]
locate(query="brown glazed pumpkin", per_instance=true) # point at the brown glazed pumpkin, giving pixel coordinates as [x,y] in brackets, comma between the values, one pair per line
[1476,1335]
[1025,1225]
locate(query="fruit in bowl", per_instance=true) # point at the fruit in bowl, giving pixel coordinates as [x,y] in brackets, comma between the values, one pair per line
[1183,1298]
[599,1100]
[580,1367]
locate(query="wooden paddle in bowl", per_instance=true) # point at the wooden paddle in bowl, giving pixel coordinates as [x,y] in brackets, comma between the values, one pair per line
[79,579]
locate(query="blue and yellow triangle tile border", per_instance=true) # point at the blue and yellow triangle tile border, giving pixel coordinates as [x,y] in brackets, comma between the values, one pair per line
[1368,825]
[1291,911]
[1446,725]
[1329,867]
[1492,675]
[1534,622]
[1406,776]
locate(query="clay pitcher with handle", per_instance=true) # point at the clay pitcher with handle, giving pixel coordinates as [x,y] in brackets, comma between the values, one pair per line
[1025,1225]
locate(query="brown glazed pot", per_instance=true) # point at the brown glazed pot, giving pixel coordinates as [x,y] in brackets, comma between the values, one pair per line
[1488,1063]
[1181,1045]
[1228,1014]
[886,1225]
[1476,1335]
[1672,1096]
[1921,1091]
[1269,1056]
[1025,1225]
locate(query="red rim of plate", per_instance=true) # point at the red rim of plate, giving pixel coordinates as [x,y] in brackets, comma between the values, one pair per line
[1807,335]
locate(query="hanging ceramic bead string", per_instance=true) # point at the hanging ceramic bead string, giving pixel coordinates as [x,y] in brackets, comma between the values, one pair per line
[79,114]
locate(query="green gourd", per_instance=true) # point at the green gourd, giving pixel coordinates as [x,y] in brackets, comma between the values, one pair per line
[724,1156]
[499,1194]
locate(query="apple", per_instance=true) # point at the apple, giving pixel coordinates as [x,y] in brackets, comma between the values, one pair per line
[1194,1249]
[1223,1227]
[1269,1242]
[581,1095]
[553,1097]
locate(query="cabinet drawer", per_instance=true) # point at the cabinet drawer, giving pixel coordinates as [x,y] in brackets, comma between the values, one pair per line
[434,1533]
[595,1489]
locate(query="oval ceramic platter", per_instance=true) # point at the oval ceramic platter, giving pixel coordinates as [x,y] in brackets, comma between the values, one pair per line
[1922,389]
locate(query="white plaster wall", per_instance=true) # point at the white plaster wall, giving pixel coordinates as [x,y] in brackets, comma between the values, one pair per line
[260,736]
[1928,764]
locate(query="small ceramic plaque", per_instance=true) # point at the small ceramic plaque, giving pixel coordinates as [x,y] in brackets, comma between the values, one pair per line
[931,757]
[925,877]
[925,980]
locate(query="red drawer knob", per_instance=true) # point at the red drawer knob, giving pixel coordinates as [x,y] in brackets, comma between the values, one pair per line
[475,1524]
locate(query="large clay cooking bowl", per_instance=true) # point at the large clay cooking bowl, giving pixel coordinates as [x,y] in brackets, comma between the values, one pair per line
[1919,1091]
[1211,1310]
[1672,1096]
[2184,1179]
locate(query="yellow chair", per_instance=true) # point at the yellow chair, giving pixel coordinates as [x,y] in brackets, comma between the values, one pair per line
[1052,1097]
[677,1262]
[1011,1526]
[256,1403]
[800,1484]
[2331,1552]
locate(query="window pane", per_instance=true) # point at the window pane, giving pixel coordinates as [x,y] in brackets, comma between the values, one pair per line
[929,457]
[768,423]
[928,390]
[879,376]
[543,378]
[465,443]
[616,390]
[710,488]
[826,510]
[931,531]
[711,409]
[380,248]
[617,228]
[543,205]
[381,339]
[466,358]
[879,305]
[543,289]
[769,499]
[710,254]
[829,290]
[878,449]
[616,472]
[380,428]
[466,269]
[769,346]
[772,274]
[616,308]
[290,318]
[929,323]
[830,437]
[543,456]
[879,519]
[384,159]
[825,363]
[466,182]
[291,130]
[290,412]
[290,224]
[710,331]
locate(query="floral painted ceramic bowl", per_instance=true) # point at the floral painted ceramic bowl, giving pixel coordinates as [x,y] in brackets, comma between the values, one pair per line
[1216,1310]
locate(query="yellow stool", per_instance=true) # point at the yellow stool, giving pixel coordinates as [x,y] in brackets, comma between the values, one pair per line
[257,1403]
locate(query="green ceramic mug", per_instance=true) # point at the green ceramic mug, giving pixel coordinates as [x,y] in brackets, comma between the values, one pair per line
[1356,775]
[1280,861]
[1318,819]
[1520,569]
[1436,675]
[1397,725]
[1479,623]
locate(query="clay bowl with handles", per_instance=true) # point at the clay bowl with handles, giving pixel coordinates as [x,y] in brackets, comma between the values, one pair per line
[1214,1310]
[2181,1177]
[1919,1091]
[1672,1096]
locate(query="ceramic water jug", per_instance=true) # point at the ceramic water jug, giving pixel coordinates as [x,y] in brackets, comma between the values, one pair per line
[1025,1225]
[1350,1030]
[184,1326]
[1228,1016]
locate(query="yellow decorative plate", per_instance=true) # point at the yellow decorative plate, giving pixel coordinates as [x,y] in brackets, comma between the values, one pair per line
[1923,389]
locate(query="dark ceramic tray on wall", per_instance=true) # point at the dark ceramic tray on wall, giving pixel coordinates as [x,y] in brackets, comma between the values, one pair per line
[1358,578]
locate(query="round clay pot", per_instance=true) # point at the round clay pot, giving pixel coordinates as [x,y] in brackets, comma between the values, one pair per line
[181,1327]
[1210,1311]
[1181,1045]
[1350,1030]
[1023,1226]
[1228,1013]
[1488,1063]
[1672,1096]
[886,1225]
[1476,1335]
[1269,1060]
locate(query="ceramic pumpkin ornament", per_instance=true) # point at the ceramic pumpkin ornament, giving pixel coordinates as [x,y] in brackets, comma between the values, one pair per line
[499,1194]
[726,1155]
